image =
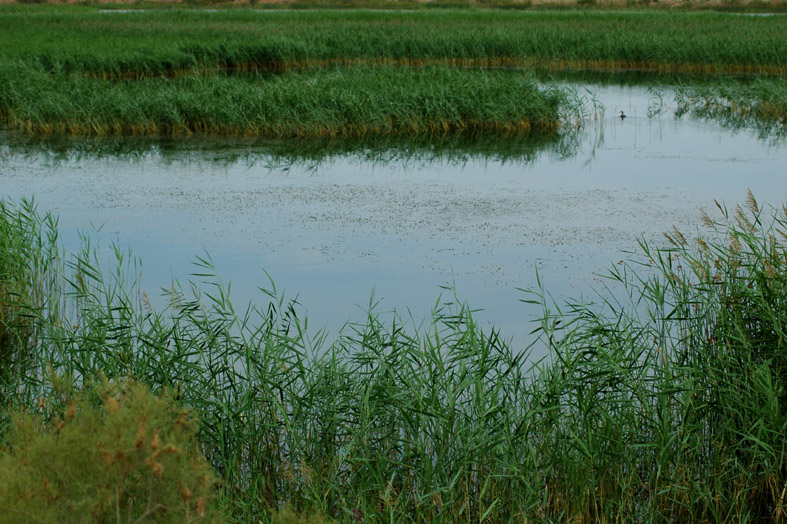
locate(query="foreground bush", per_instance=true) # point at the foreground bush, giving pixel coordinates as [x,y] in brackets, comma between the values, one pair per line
[114,454]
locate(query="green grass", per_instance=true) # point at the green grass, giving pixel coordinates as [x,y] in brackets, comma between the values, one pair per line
[760,103]
[24,253]
[734,6]
[344,73]
[663,402]
[168,42]
[667,406]
[350,103]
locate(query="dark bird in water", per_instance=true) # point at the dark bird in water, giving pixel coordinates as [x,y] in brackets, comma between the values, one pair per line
[622,115]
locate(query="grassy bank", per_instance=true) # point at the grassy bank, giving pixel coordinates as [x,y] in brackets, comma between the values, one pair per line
[359,102]
[665,407]
[174,42]
[744,6]
[329,73]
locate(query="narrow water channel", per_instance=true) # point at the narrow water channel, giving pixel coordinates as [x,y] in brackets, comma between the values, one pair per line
[334,229]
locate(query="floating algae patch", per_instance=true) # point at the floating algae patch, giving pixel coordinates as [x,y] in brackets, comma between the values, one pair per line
[336,103]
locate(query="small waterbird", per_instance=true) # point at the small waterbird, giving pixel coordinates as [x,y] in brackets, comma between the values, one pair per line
[622,115]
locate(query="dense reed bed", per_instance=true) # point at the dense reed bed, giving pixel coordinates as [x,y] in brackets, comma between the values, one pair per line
[663,402]
[342,73]
[351,103]
[732,6]
[21,254]
[176,42]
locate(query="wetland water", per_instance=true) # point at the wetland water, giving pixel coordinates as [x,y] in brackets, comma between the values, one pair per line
[332,229]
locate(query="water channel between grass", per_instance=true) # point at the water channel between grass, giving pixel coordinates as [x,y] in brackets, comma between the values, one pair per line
[334,229]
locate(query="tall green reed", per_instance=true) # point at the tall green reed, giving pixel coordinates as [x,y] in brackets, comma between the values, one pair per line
[28,262]
[662,402]
[683,384]
[360,102]
[759,103]
[174,42]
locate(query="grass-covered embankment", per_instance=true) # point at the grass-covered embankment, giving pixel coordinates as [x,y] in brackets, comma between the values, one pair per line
[170,42]
[667,409]
[358,102]
[735,6]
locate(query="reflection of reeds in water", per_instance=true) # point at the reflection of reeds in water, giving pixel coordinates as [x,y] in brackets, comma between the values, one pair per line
[760,103]
[309,154]
[670,409]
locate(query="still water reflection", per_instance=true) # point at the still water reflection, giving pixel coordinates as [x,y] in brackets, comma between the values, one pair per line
[331,225]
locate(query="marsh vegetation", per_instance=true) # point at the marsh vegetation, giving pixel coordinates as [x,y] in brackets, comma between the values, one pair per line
[349,73]
[667,406]
[661,401]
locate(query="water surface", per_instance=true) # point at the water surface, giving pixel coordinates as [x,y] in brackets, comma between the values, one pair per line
[334,227]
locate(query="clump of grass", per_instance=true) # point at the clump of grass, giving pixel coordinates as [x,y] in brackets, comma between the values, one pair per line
[663,402]
[340,103]
[347,74]
[112,453]
[288,516]
[172,43]
[761,103]
[677,395]
[25,284]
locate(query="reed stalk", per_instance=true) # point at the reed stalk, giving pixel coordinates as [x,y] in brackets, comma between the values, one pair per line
[352,103]
[663,401]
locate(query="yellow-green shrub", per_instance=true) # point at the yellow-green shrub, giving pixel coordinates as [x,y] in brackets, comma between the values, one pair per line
[288,516]
[113,453]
